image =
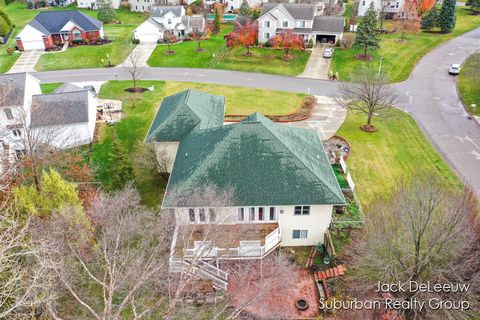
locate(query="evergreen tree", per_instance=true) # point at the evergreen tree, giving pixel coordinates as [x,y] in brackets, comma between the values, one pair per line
[245,9]
[474,5]
[105,13]
[5,18]
[430,20]
[447,19]
[367,35]
[120,171]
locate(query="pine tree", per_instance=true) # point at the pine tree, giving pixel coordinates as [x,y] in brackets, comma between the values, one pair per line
[367,36]
[430,20]
[106,13]
[474,5]
[245,9]
[447,19]
[120,171]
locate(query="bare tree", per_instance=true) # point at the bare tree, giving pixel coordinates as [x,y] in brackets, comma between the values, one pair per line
[384,4]
[157,162]
[126,255]
[368,94]
[24,269]
[331,8]
[134,69]
[415,237]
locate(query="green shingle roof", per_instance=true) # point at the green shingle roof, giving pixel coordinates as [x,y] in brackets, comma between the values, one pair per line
[186,111]
[263,162]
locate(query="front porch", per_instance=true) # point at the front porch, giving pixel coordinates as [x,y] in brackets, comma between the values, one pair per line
[228,241]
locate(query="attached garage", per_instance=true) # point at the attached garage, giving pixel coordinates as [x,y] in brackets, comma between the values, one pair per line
[328,29]
[148,32]
[30,39]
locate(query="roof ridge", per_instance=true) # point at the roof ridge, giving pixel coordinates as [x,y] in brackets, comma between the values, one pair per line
[296,156]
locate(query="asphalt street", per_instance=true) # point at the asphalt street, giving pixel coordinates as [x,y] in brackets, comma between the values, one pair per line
[429,95]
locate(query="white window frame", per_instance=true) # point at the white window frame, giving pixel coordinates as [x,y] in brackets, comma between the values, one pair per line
[303,24]
[302,234]
[8,113]
[304,210]
[267,35]
[266,24]
[283,24]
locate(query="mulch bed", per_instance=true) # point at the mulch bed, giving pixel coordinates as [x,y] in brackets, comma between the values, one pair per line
[364,57]
[136,90]
[304,112]
[368,128]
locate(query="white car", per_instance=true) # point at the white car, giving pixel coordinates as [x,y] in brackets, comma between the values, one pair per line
[328,52]
[455,69]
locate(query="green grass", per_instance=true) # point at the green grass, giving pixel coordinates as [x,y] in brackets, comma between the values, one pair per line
[217,56]
[50,87]
[399,59]
[78,57]
[469,82]
[140,108]
[380,160]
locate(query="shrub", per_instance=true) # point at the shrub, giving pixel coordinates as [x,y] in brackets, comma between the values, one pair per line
[338,43]
[126,5]
[310,43]
[4,28]
[86,42]
[9,51]
[348,40]
[5,18]
[267,44]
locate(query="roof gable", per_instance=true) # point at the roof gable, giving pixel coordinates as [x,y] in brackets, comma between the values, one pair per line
[49,22]
[185,111]
[263,162]
[160,11]
[328,24]
[295,11]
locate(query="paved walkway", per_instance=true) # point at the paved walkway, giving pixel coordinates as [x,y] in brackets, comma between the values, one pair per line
[326,119]
[26,62]
[141,52]
[317,66]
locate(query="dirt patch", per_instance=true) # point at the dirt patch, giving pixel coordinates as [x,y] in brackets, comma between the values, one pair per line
[200,50]
[368,128]
[169,53]
[303,112]
[136,90]
[365,57]
[401,41]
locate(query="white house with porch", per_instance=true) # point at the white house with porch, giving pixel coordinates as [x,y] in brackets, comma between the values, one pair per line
[278,187]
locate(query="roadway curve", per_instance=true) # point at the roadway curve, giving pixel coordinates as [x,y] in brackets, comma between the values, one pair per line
[429,95]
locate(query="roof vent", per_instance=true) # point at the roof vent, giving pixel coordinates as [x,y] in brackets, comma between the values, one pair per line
[186,154]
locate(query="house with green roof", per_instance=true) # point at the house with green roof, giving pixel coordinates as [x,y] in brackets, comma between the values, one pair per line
[281,187]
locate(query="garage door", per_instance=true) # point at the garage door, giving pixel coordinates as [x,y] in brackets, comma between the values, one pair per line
[33,45]
[147,37]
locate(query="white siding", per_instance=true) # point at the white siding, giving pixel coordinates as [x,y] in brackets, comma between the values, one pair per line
[32,39]
[169,149]
[147,32]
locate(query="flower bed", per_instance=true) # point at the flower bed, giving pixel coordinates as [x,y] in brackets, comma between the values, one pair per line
[303,112]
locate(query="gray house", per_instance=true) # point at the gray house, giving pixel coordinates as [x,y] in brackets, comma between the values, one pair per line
[303,19]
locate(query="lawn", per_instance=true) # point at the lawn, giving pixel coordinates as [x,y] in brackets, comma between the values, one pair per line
[217,56]
[78,57]
[141,108]
[399,59]
[469,83]
[49,87]
[380,160]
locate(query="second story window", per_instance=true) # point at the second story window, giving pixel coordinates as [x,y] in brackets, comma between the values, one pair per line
[302,210]
[8,113]
[363,3]
[303,24]
[267,24]
[201,214]
[17,133]
[191,215]
[285,24]
[212,216]
[169,21]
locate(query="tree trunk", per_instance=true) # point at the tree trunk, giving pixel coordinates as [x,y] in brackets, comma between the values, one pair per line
[287,50]
[369,118]
[365,51]
[199,48]
[403,35]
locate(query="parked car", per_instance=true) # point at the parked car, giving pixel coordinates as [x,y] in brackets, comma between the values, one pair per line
[327,52]
[455,69]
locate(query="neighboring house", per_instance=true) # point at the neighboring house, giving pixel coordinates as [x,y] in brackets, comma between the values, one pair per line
[52,28]
[60,3]
[93,4]
[68,117]
[284,188]
[168,19]
[390,8]
[302,19]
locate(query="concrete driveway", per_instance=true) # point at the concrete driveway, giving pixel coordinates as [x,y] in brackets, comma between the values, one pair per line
[317,66]
[27,61]
[141,53]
